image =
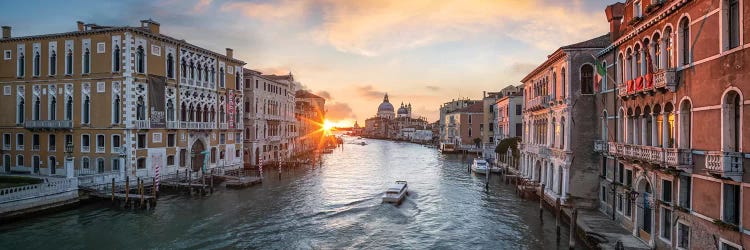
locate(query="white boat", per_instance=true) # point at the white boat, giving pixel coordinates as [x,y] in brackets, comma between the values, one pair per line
[395,192]
[479,166]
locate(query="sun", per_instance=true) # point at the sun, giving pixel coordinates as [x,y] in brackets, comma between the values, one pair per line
[328,125]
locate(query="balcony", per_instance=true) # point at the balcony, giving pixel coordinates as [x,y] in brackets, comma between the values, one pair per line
[52,148]
[661,79]
[34,147]
[725,164]
[561,154]
[672,157]
[173,124]
[195,125]
[100,149]
[85,149]
[223,126]
[600,146]
[538,102]
[142,124]
[666,78]
[48,124]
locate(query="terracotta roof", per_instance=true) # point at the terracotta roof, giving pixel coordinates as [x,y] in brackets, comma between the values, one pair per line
[474,108]
[305,94]
[598,42]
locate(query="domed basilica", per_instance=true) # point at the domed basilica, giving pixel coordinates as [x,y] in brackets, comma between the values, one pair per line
[385,110]
[389,123]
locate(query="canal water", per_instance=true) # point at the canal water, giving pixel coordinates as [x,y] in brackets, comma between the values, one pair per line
[334,206]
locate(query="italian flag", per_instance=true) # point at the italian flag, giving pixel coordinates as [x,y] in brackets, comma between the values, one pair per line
[601,72]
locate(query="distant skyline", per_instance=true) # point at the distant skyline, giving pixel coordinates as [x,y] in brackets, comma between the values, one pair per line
[352,52]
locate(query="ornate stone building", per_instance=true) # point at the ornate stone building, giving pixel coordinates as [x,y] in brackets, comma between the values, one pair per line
[123,100]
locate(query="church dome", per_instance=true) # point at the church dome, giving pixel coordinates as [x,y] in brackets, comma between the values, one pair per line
[403,111]
[386,106]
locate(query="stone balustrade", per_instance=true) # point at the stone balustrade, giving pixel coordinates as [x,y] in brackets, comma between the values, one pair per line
[48,124]
[600,146]
[679,158]
[54,186]
[725,164]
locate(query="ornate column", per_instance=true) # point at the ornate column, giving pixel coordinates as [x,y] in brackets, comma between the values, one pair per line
[565,184]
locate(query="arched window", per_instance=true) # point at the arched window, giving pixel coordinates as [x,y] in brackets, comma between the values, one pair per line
[19,160]
[37,108]
[222,117]
[183,110]
[170,110]
[563,85]
[656,44]
[192,70]
[37,63]
[562,133]
[685,124]
[85,163]
[170,66]
[191,113]
[205,73]
[86,61]
[620,127]
[183,69]
[200,72]
[116,59]
[116,110]
[213,115]
[621,67]
[53,108]
[684,38]
[731,116]
[637,69]
[140,60]
[140,109]
[554,132]
[213,74]
[629,65]
[86,109]
[69,63]
[53,63]
[205,114]
[731,23]
[21,64]
[20,110]
[69,109]
[237,80]
[587,79]
[604,78]
[221,77]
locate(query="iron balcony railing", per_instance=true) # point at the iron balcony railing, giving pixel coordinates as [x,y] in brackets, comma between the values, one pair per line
[48,124]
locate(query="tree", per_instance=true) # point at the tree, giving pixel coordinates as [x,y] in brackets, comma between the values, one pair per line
[505,144]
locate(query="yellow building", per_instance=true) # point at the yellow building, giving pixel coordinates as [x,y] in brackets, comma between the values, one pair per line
[124,100]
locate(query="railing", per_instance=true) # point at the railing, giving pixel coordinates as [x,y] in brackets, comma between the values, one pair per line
[679,158]
[223,126]
[48,124]
[538,102]
[173,124]
[726,164]
[661,79]
[84,148]
[600,146]
[34,147]
[52,148]
[197,125]
[19,147]
[6,146]
[682,158]
[142,124]
[38,190]
[100,149]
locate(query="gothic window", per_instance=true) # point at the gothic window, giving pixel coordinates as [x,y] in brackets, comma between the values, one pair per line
[37,63]
[221,77]
[200,72]
[731,122]
[21,65]
[52,63]
[205,73]
[116,110]
[140,60]
[20,110]
[192,70]
[69,63]
[69,109]
[170,66]
[685,41]
[183,69]
[53,108]
[116,59]
[36,109]
[587,79]
[170,110]
[140,110]
[731,23]
[86,61]
[86,109]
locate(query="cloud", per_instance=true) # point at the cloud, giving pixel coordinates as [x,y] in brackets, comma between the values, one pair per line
[324,94]
[521,68]
[339,111]
[433,88]
[368,92]
[280,11]
[200,7]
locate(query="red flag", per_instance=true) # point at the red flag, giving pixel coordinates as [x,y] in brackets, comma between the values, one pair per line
[649,62]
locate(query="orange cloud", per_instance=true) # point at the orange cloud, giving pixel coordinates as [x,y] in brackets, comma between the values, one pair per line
[281,11]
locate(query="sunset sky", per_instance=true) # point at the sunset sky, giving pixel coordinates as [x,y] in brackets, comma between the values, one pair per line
[352,52]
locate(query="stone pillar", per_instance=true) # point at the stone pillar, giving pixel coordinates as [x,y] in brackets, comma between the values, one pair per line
[636,129]
[665,129]
[565,184]
[654,131]
[568,135]
[643,131]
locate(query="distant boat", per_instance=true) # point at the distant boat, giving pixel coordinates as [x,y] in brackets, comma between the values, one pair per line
[362,143]
[479,166]
[395,193]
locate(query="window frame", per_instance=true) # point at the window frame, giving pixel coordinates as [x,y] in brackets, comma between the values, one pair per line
[664,220]
[679,235]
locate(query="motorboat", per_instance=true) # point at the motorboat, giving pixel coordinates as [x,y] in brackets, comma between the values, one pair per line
[395,193]
[479,166]
[362,143]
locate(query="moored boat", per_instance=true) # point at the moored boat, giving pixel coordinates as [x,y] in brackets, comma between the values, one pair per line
[479,166]
[395,193]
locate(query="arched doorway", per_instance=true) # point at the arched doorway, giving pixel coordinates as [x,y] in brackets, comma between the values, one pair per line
[645,213]
[196,156]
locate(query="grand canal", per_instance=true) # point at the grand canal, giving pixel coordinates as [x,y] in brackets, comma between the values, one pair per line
[334,206]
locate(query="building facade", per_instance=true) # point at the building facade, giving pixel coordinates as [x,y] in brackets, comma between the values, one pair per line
[127,100]
[560,125]
[463,127]
[310,112]
[674,144]
[270,123]
[509,117]
[446,108]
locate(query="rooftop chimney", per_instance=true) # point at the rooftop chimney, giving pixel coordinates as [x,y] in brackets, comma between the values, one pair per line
[80,26]
[151,25]
[230,52]
[615,13]
[6,32]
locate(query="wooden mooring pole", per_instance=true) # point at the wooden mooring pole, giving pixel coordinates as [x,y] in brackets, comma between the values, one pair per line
[572,238]
[127,188]
[541,203]
[113,189]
